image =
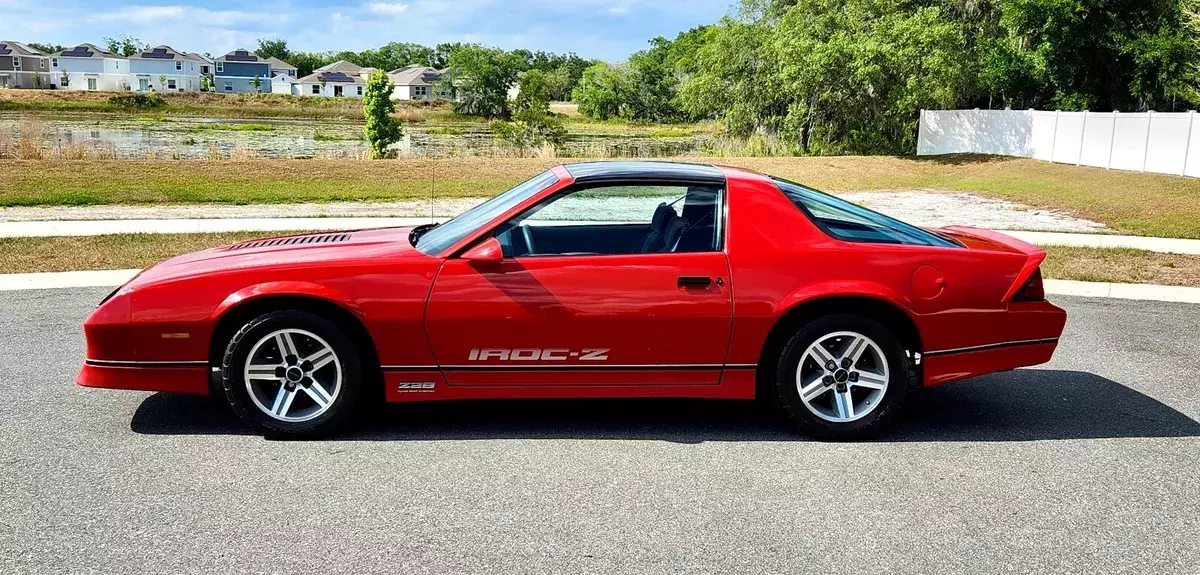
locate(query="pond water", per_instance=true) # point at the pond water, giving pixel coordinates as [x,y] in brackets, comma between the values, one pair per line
[134,137]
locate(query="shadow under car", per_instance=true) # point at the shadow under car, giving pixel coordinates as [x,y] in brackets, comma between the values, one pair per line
[1021,405]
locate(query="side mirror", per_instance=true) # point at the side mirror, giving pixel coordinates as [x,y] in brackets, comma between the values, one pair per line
[487,252]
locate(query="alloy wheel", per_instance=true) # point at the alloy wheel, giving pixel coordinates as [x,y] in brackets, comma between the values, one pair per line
[293,375]
[842,377]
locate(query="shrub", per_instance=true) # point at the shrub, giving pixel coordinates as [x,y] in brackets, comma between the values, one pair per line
[137,101]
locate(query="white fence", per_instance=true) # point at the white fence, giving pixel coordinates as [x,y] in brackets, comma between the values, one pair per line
[1166,143]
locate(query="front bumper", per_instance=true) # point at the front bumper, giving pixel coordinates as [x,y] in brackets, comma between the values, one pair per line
[172,378]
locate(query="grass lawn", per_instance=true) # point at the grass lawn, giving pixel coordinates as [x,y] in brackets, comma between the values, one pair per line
[114,252]
[55,254]
[1121,265]
[1129,202]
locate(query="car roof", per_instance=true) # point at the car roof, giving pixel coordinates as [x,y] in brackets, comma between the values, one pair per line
[592,172]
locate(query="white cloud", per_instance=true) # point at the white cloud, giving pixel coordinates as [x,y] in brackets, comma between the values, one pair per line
[155,14]
[387,8]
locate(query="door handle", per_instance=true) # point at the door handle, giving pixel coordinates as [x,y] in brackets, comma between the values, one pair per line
[694,281]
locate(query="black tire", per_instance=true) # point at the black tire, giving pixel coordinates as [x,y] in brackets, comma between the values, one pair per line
[343,406]
[787,395]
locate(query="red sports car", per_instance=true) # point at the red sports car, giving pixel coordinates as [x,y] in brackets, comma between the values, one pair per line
[606,279]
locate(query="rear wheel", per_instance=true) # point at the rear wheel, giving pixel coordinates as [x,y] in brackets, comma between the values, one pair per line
[841,377]
[292,374]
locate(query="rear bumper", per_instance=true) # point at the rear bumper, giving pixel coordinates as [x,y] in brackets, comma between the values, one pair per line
[169,377]
[947,367]
[1027,334]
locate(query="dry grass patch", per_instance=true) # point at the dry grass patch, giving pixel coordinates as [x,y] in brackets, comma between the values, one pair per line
[126,251]
[1144,204]
[1121,265]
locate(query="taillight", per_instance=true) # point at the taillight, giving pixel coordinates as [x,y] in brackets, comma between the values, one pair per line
[1032,290]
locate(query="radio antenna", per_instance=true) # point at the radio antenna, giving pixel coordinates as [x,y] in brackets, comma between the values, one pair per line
[432,183]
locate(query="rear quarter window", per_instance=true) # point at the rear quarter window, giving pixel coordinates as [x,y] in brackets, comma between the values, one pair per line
[853,223]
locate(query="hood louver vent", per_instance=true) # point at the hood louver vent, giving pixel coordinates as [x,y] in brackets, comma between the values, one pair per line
[293,240]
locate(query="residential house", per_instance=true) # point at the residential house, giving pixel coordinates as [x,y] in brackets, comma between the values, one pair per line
[23,67]
[237,70]
[206,63]
[164,69]
[348,68]
[89,67]
[329,85]
[419,83]
[281,68]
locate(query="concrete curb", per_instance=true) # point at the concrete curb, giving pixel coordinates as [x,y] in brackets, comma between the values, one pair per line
[55,280]
[1123,291]
[1151,244]
[106,227]
[113,278]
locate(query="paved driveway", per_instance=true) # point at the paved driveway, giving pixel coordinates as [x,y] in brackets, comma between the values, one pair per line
[1090,464]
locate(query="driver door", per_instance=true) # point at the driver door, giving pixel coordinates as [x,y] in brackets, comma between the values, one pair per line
[605,285]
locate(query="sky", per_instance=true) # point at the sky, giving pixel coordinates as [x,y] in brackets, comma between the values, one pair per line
[607,29]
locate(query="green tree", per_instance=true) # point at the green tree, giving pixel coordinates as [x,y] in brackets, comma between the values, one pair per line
[652,83]
[47,48]
[482,77]
[125,45]
[306,62]
[256,82]
[829,76]
[533,124]
[382,129]
[601,91]
[273,48]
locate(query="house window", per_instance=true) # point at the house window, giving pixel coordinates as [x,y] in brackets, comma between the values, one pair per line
[420,91]
[316,89]
[54,62]
[360,90]
[228,86]
[91,84]
[16,63]
[220,66]
[178,66]
[170,84]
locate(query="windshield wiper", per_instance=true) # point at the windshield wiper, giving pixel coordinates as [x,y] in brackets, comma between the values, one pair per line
[415,234]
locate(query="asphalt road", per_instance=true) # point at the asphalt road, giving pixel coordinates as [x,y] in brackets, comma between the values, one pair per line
[1090,464]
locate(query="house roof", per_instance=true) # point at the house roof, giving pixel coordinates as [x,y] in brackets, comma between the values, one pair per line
[242,55]
[344,66]
[331,78]
[198,57]
[10,48]
[415,76]
[277,63]
[86,50]
[160,53]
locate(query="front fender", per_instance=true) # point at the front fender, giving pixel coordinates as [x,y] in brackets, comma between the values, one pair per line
[286,288]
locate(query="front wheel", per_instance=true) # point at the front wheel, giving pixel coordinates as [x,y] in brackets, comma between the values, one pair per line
[841,377]
[292,374]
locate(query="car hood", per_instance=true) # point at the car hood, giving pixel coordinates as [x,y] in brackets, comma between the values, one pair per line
[321,249]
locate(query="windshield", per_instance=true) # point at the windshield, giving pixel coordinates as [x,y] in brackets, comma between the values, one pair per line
[436,240]
[853,223]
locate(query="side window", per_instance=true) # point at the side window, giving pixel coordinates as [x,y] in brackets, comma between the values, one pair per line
[853,223]
[618,219]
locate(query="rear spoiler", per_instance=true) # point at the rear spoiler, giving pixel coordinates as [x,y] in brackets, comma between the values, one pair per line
[1034,256]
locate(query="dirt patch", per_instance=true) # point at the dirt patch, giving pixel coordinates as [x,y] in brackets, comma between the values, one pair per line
[935,209]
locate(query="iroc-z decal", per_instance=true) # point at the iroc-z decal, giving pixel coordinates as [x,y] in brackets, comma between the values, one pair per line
[415,386]
[538,354]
